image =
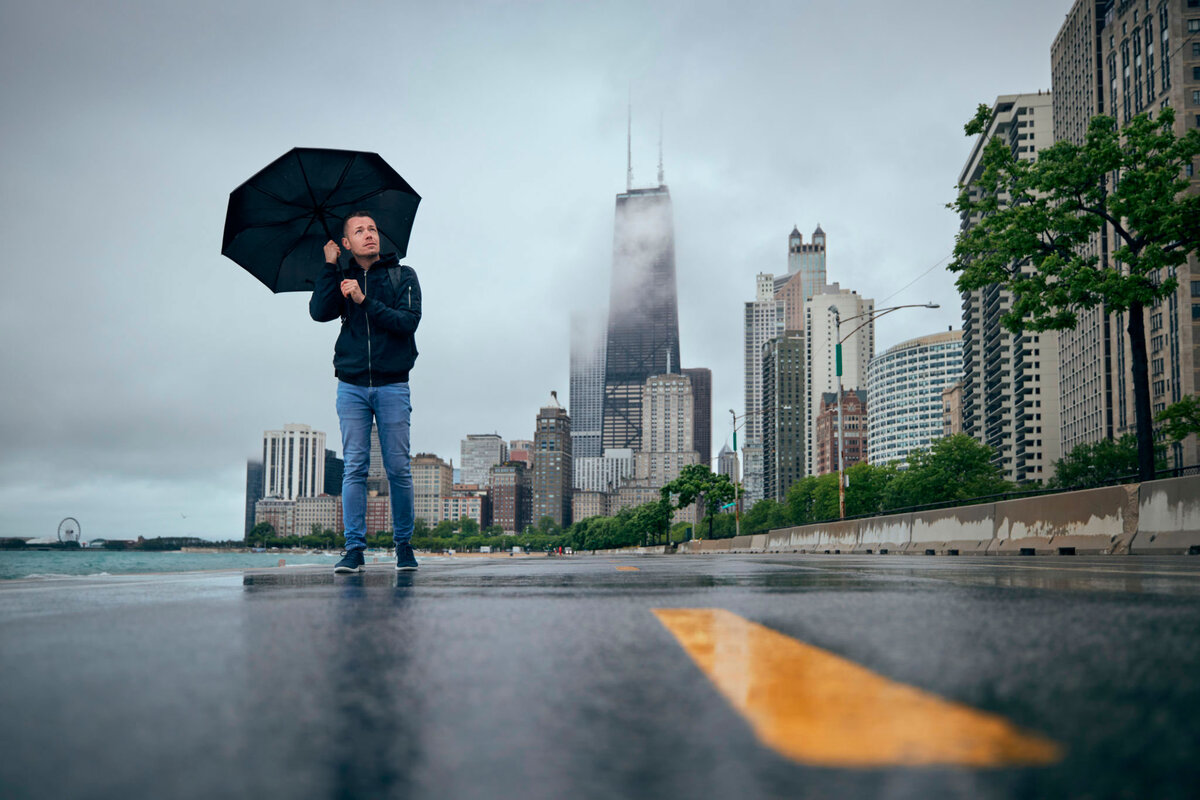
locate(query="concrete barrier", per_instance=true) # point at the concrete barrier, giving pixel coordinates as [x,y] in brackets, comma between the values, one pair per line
[838,537]
[1089,521]
[890,534]
[953,531]
[1168,518]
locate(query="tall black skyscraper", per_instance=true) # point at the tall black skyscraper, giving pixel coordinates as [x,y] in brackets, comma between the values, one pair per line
[643,314]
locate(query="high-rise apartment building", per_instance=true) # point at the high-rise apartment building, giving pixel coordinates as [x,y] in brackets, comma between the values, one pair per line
[667,430]
[904,394]
[479,453]
[293,462]
[1010,381]
[552,468]
[512,497]
[643,314]
[470,501]
[432,480]
[1086,401]
[1150,57]
[952,409]
[764,318]
[784,417]
[821,338]
[701,379]
[521,450]
[853,430]
[587,384]
[254,490]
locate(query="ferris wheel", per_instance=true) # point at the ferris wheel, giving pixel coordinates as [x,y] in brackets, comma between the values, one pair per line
[68,530]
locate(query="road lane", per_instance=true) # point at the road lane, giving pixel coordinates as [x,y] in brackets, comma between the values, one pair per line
[545,678]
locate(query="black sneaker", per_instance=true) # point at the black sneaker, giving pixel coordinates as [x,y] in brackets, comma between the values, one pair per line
[352,561]
[405,560]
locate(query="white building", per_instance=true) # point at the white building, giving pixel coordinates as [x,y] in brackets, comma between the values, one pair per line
[480,452]
[604,474]
[820,325]
[587,384]
[764,320]
[293,462]
[904,394]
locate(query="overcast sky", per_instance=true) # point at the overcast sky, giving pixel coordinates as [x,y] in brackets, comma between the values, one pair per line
[141,367]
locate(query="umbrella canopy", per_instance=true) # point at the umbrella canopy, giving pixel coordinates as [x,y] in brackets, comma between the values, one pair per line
[278,222]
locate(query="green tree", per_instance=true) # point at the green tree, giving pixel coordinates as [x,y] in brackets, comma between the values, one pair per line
[468,527]
[866,487]
[1094,463]
[696,482]
[1180,420]
[1036,220]
[260,534]
[953,468]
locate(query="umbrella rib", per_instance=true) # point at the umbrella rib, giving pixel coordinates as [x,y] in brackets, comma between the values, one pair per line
[295,243]
[341,178]
[369,194]
[276,197]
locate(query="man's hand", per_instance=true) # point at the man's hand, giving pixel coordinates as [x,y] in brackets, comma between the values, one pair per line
[351,289]
[332,251]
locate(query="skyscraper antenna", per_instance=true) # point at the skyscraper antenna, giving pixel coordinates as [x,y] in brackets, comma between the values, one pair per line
[660,134]
[629,145]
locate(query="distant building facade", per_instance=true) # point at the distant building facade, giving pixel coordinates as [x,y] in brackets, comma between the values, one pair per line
[552,467]
[904,394]
[604,474]
[854,424]
[587,385]
[667,429]
[763,321]
[480,452]
[512,496]
[702,384]
[727,464]
[335,470]
[952,409]
[432,480]
[254,490]
[821,338]
[784,413]
[294,462]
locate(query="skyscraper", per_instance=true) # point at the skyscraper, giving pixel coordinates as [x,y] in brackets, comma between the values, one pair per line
[643,314]
[254,490]
[1124,59]
[587,384]
[764,320]
[294,462]
[783,415]
[1010,381]
[820,342]
[701,379]
[552,469]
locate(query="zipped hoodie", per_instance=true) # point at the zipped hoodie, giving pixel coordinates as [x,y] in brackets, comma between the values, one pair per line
[376,345]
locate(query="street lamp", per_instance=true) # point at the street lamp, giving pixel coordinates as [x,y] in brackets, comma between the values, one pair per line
[737,520]
[871,316]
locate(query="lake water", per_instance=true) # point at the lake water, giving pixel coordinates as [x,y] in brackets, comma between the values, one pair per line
[52,564]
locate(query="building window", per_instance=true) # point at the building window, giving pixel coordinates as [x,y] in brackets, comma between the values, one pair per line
[1194,26]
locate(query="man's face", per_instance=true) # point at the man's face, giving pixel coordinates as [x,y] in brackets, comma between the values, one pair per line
[362,238]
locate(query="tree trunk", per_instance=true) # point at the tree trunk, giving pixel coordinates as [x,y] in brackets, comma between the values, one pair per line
[1141,391]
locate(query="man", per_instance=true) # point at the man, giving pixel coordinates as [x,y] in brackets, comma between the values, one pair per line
[379,303]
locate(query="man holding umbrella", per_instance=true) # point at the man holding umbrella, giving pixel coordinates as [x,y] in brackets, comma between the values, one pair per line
[379,303]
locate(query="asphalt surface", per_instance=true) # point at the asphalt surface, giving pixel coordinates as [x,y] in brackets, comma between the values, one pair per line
[553,678]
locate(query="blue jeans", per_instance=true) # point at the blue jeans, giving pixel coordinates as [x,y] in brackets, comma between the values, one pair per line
[391,408]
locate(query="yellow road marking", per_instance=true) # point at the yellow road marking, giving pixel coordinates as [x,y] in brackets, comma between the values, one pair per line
[818,708]
[628,569]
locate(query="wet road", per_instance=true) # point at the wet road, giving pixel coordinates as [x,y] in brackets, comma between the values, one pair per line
[669,676]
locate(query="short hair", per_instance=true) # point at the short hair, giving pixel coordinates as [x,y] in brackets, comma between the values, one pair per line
[354,214]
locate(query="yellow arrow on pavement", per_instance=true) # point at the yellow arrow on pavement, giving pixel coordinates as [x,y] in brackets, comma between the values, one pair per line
[818,708]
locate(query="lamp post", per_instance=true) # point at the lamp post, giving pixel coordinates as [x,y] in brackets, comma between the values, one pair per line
[871,316]
[737,521]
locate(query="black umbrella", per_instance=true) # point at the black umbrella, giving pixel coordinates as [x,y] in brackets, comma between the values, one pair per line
[278,222]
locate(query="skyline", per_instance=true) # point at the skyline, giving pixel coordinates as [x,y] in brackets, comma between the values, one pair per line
[148,366]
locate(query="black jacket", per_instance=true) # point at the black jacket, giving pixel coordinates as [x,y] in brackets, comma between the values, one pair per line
[376,345]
